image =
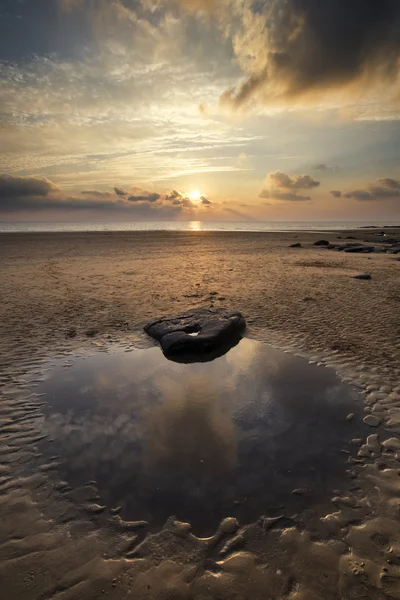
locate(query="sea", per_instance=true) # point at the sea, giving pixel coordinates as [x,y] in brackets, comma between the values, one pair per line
[278,226]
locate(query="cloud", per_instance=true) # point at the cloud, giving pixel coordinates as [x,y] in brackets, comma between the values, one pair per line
[286,196]
[336,193]
[202,5]
[298,182]
[97,194]
[280,186]
[179,199]
[13,187]
[120,191]
[321,167]
[33,195]
[302,48]
[146,197]
[173,195]
[243,161]
[382,189]
[391,184]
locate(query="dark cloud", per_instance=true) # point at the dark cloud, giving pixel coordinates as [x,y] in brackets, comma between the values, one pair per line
[336,193]
[391,184]
[309,46]
[13,187]
[144,197]
[174,195]
[281,186]
[120,191]
[297,182]
[179,199]
[31,194]
[382,189]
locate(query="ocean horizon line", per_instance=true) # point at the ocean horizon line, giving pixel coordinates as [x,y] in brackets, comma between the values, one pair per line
[231,226]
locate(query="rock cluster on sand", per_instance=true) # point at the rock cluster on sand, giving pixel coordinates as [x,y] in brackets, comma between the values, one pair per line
[197,331]
[392,247]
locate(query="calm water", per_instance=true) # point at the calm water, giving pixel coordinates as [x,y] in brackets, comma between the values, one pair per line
[202,441]
[190,226]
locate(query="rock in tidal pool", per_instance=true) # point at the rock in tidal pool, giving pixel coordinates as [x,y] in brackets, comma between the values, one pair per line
[198,331]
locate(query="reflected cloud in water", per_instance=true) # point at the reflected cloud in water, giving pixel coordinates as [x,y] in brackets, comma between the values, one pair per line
[234,436]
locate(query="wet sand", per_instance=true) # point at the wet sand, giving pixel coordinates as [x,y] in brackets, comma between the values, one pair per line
[60,292]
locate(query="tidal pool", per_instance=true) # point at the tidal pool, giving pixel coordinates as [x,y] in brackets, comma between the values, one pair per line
[256,431]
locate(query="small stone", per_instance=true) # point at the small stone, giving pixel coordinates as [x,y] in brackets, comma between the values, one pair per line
[297,245]
[116,510]
[95,508]
[350,417]
[372,421]
[356,441]
[229,525]
[321,243]
[365,276]
[300,492]
[392,444]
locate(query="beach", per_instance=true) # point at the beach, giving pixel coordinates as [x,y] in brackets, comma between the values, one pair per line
[99,284]
[67,291]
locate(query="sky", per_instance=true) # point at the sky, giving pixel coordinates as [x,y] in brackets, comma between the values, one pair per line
[214,110]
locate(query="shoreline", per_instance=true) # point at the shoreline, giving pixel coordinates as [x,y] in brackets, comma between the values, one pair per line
[195,227]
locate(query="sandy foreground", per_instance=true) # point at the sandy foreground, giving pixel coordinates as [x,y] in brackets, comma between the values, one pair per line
[60,292]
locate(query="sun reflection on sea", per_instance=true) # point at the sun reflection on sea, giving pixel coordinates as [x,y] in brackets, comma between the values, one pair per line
[195,226]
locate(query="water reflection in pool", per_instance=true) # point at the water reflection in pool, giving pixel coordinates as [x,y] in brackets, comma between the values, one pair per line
[234,436]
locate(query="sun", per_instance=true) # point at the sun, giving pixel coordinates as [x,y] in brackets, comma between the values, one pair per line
[195,196]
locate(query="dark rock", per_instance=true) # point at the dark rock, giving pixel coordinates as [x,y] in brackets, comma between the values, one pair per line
[360,249]
[297,245]
[350,237]
[198,331]
[321,243]
[365,276]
